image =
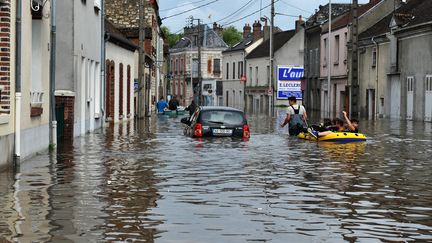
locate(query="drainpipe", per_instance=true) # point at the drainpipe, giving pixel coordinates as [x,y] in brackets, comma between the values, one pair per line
[102,74]
[17,154]
[376,77]
[53,121]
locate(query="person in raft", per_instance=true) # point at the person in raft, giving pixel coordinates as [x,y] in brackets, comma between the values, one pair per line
[348,126]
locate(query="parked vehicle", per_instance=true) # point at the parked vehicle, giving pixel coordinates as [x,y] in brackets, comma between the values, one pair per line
[212,121]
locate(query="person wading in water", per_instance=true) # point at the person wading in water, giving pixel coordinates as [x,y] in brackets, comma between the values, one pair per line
[296,117]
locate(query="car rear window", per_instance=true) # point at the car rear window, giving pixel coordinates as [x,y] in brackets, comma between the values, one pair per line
[222,117]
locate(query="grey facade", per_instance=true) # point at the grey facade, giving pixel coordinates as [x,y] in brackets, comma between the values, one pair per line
[312,94]
[400,49]
[78,65]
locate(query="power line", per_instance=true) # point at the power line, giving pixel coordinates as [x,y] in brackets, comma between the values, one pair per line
[293,6]
[203,5]
[249,14]
[167,9]
[233,13]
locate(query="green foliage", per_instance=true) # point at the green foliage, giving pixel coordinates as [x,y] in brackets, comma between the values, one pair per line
[172,38]
[232,36]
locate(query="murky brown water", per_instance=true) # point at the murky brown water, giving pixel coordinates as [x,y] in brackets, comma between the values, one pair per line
[130,183]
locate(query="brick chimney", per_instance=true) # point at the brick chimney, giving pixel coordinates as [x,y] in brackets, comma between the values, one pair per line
[246,30]
[256,30]
[299,24]
[218,29]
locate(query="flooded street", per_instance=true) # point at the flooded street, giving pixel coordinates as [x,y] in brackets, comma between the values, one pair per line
[146,182]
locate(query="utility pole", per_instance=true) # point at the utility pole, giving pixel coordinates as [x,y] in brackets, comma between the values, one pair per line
[199,63]
[329,61]
[271,85]
[149,75]
[354,63]
[141,61]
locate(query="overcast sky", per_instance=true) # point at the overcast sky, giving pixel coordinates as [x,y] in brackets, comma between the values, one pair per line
[221,9]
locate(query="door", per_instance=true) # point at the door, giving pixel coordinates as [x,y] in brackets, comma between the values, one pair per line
[410,98]
[60,122]
[395,102]
[428,98]
[370,105]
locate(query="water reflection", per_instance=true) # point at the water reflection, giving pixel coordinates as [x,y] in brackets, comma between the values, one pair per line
[144,181]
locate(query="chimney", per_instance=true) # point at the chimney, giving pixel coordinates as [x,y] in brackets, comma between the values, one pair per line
[299,24]
[266,31]
[246,31]
[218,29]
[256,30]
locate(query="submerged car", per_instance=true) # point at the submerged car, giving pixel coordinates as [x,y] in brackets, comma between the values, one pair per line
[215,121]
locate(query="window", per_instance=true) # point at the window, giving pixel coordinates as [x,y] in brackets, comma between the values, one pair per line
[176,68]
[428,82]
[216,67]
[256,75]
[410,84]
[250,75]
[240,70]
[209,66]
[346,48]
[336,50]
[325,53]
[120,90]
[128,90]
[227,70]
[374,57]
[233,71]
[181,66]
[268,74]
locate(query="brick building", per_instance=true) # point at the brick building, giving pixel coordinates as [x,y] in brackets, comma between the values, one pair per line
[125,17]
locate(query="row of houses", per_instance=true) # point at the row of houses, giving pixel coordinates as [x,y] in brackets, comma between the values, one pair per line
[68,68]
[387,74]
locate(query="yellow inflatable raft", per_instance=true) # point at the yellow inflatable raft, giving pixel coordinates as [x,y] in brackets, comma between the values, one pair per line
[340,137]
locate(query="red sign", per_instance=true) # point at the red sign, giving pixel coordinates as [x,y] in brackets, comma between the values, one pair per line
[243,78]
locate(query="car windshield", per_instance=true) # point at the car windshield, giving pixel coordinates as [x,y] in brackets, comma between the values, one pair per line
[222,117]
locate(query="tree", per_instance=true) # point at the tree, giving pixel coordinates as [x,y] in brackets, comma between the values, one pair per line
[172,38]
[232,36]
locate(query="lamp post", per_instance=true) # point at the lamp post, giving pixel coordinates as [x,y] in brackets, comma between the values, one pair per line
[329,64]
[270,91]
[191,60]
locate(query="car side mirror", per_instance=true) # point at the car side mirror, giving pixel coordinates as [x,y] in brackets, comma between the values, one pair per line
[185,120]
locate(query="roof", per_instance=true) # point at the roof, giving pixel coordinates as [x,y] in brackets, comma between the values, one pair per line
[114,36]
[280,39]
[412,13]
[242,45]
[322,14]
[345,19]
[209,38]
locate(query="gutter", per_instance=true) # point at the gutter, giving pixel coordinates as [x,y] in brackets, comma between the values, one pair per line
[413,27]
[102,62]
[376,77]
[52,80]
[17,154]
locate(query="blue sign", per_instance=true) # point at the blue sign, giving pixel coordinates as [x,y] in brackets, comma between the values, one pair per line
[290,73]
[136,86]
[289,82]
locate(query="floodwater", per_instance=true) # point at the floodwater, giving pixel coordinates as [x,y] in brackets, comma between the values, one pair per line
[146,182]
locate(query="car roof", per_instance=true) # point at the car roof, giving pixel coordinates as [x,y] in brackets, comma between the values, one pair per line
[219,108]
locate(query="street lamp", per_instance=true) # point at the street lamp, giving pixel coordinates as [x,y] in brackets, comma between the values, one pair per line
[191,60]
[270,91]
